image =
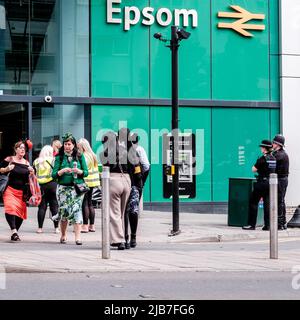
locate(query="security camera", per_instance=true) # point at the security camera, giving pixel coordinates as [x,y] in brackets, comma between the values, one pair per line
[48,99]
[182,34]
[159,37]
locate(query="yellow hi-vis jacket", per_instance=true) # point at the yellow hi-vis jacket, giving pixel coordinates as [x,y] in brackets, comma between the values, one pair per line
[92,180]
[43,170]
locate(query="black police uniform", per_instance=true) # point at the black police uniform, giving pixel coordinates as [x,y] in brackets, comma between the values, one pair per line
[265,165]
[282,170]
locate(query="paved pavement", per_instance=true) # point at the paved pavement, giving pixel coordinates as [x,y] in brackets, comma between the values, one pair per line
[156,251]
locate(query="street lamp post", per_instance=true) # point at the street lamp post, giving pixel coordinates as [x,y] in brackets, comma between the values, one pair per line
[176,36]
[174,45]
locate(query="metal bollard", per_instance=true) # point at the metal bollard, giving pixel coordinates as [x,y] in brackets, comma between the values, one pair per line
[105,213]
[273,216]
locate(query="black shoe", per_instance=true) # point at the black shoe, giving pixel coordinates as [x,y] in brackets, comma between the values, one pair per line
[133,240]
[115,244]
[248,228]
[78,242]
[133,243]
[281,228]
[127,245]
[265,228]
[15,237]
[121,246]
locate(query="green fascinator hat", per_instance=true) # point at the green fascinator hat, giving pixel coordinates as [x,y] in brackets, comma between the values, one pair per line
[68,137]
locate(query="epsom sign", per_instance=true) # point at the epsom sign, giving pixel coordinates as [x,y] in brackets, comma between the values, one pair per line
[130,16]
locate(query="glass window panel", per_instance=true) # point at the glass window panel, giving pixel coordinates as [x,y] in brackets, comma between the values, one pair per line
[44,47]
[14,47]
[60,48]
[53,121]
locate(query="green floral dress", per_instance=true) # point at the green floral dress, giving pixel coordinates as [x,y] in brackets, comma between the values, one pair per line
[70,204]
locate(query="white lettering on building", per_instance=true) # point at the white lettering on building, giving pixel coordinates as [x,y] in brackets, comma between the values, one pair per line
[148,16]
[132,15]
[111,10]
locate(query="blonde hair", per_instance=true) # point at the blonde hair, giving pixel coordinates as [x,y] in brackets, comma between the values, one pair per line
[46,152]
[56,145]
[85,146]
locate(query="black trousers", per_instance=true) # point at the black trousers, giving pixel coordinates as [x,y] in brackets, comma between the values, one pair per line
[132,219]
[88,208]
[282,186]
[14,222]
[145,176]
[144,179]
[49,197]
[260,190]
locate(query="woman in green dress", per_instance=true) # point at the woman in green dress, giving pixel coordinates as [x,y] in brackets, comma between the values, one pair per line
[69,168]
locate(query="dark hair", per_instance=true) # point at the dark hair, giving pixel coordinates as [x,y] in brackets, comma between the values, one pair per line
[110,139]
[134,138]
[123,134]
[75,153]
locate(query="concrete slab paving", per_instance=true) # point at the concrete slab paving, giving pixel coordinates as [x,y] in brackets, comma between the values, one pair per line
[156,251]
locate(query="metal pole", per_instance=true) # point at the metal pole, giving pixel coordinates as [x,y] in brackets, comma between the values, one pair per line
[273,216]
[29,129]
[175,184]
[105,213]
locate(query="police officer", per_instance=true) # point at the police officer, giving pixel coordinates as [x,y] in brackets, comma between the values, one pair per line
[282,169]
[264,166]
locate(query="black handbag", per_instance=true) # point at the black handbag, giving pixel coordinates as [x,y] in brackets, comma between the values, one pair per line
[81,188]
[3,183]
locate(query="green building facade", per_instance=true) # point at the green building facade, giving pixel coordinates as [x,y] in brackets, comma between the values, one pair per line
[102,66]
[229,88]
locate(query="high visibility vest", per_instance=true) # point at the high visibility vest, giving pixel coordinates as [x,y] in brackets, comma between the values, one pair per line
[43,170]
[92,180]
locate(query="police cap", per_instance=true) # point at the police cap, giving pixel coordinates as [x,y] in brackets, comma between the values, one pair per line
[279,139]
[266,144]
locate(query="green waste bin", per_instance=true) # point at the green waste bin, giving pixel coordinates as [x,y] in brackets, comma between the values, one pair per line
[240,190]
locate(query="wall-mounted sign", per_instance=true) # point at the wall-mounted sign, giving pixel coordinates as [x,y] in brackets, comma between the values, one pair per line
[240,25]
[132,15]
[147,16]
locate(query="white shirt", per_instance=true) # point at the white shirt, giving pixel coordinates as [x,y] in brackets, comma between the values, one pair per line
[143,157]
